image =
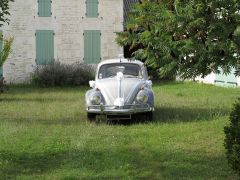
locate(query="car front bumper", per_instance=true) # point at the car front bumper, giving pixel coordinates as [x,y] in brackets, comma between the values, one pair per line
[126,109]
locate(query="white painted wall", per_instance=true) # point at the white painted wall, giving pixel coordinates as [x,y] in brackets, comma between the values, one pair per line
[238,81]
[68,22]
[210,79]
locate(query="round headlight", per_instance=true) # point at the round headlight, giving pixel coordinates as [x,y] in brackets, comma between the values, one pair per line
[142,97]
[96,99]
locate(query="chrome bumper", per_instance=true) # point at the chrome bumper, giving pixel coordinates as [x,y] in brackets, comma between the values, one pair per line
[126,109]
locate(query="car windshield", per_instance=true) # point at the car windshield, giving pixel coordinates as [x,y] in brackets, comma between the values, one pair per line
[111,70]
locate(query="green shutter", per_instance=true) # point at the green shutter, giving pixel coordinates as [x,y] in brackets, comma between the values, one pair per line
[92,46]
[1,48]
[226,80]
[44,8]
[92,8]
[44,47]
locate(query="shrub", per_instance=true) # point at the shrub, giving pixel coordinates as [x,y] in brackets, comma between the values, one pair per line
[3,86]
[58,74]
[232,139]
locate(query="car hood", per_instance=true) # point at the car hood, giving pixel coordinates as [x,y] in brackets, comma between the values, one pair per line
[110,88]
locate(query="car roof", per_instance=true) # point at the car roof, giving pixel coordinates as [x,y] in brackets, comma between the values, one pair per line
[111,61]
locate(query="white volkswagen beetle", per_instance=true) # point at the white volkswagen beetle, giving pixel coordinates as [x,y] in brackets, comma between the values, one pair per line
[121,89]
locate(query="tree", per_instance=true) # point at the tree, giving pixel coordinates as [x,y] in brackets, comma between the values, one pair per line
[4,53]
[188,38]
[4,11]
[7,43]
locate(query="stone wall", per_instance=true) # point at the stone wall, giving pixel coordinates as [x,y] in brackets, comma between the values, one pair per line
[68,21]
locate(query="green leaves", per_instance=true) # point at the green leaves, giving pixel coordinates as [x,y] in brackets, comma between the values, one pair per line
[4,53]
[184,37]
[4,11]
[237,36]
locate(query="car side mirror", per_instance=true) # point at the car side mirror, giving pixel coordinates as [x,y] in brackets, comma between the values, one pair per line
[92,84]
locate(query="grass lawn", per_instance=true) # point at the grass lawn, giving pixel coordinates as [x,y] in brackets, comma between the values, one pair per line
[44,134]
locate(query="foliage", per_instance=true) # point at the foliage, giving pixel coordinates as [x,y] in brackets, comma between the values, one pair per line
[3,86]
[4,53]
[184,37]
[4,11]
[232,140]
[58,74]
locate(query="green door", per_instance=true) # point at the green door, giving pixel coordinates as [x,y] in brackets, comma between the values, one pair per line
[92,46]
[44,47]
[226,80]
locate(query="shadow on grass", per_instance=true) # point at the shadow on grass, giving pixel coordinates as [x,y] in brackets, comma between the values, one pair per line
[174,115]
[108,163]
[77,119]
[171,114]
[37,100]
[161,115]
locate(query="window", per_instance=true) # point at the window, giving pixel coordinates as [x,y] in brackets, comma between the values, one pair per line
[128,70]
[1,48]
[44,47]
[92,46]
[44,8]
[92,8]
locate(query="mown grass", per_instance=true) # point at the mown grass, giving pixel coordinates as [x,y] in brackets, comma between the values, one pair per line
[44,134]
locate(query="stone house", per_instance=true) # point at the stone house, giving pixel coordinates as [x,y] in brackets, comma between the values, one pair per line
[68,31]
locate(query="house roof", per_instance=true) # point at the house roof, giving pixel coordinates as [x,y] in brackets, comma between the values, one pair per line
[127,4]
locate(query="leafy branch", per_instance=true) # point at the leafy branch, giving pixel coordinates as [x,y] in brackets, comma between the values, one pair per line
[184,37]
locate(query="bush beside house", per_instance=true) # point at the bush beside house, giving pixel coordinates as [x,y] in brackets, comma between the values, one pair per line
[58,74]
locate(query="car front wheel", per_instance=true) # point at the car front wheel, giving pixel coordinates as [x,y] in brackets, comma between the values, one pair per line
[91,116]
[149,116]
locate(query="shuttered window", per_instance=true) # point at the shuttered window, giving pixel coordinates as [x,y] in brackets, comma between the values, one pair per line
[92,46]
[226,80]
[44,8]
[92,8]
[1,48]
[44,47]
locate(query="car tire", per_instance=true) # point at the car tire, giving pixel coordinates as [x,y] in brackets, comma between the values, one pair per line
[91,116]
[149,116]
